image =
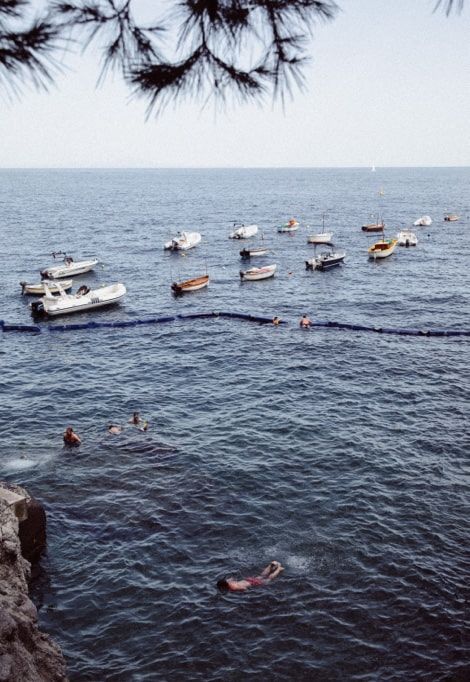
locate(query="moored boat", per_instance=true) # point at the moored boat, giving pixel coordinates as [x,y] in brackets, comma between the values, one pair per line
[378,226]
[244,232]
[183,241]
[84,299]
[254,252]
[258,273]
[190,284]
[291,226]
[39,290]
[322,237]
[407,238]
[382,248]
[424,221]
[69,268]
[325,260]
[451,217]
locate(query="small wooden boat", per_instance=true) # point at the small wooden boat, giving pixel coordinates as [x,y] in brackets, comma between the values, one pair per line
[407,238]
[258,273]
[382,248]
[424,221]
[254,252]
[84,299]
[190,284]
[325,260]
[291,226]
[451,217]
[183,241]
[69,268]
[244,232]
[38,289]
[373,227]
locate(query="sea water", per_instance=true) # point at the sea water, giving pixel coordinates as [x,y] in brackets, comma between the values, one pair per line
[344,455]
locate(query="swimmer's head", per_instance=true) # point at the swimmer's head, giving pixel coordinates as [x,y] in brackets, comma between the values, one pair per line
[223,585]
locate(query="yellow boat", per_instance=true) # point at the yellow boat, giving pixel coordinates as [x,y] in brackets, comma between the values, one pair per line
[382,248]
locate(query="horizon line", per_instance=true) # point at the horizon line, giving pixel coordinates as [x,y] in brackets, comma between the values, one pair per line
[321,167]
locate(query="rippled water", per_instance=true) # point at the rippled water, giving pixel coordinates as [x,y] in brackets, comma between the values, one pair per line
[343,455]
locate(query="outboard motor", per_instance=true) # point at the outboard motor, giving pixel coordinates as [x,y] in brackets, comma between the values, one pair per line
[37,309]
[23,287]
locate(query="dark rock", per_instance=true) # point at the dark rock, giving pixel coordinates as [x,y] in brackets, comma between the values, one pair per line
[32,531]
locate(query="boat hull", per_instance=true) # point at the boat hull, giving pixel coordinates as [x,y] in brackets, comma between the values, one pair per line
[373,227]
[69,270]
[244,232]
[187,240]
[382,249]
[190,285]
[321,238]
[325,261]
[67,304]
[254,274]
[253,253]
[38,289]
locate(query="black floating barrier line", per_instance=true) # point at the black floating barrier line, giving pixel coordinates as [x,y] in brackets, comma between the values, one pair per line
[404,331]
[21,328]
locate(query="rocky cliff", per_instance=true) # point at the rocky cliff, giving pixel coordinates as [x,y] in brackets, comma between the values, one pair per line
[26,654]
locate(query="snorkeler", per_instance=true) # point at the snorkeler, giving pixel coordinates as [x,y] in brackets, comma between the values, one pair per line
[137,420]
[271,571]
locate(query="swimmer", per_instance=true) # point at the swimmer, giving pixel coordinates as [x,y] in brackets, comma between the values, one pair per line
[276,320]
[70,437]
[271,571]
[304,322]
[114,429]
[136,419]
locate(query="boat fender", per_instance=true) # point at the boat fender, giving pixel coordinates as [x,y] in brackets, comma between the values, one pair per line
[21,328]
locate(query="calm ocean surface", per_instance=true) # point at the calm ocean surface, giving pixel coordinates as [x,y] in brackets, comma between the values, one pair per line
[344,455]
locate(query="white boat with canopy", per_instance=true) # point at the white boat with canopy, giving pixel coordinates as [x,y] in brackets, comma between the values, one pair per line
[322,237]
[183,241]
[407,238]
[258,273]
[39,290]
[84,299]
[69,268]
[424,221]
[244,232]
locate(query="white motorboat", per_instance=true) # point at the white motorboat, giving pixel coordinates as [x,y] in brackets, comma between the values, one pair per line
[190,284]
[382,248]
[291,226]
[424,221]
[39,290]
[407,238]
[258,273]
[183,241]
[84,299]
[325,260]
[244,232]
[254,252]
[69,268]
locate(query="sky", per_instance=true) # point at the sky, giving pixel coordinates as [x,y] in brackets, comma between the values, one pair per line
[388,85]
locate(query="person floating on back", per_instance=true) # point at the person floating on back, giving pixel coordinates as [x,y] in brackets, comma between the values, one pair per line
[230,584]
[70,437]
[115,429]
[304,322]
